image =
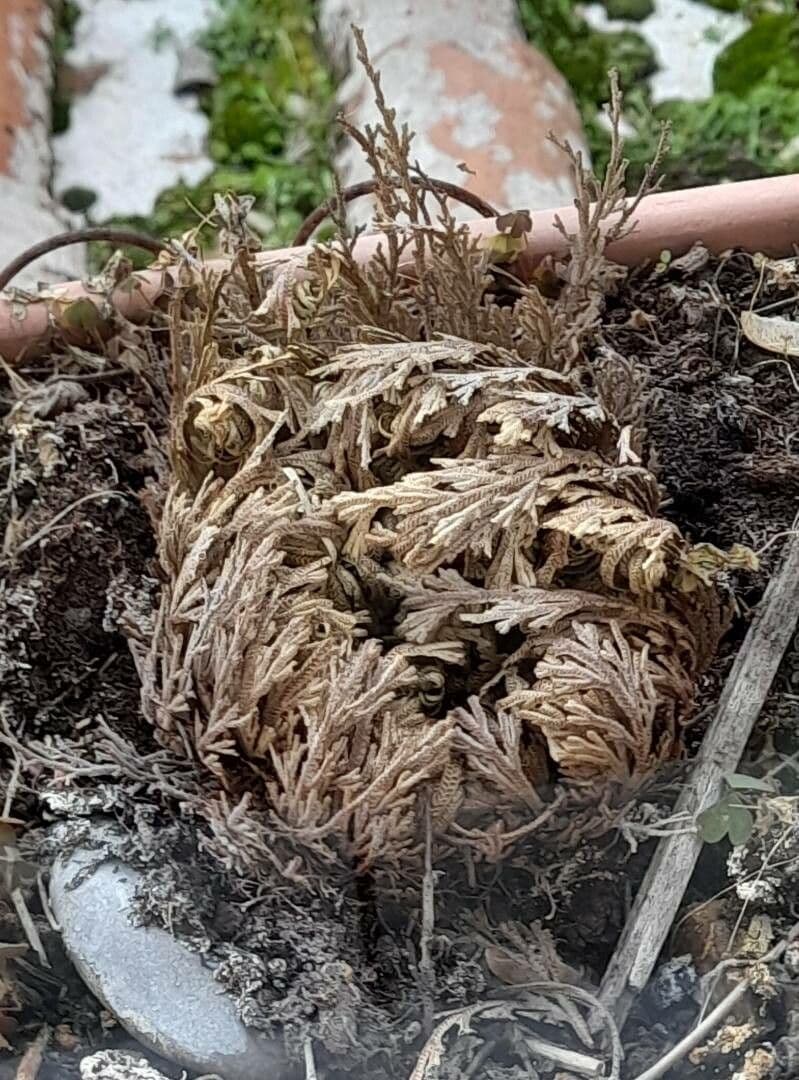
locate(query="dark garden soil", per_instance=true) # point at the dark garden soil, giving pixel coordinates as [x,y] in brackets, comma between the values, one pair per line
[723,417]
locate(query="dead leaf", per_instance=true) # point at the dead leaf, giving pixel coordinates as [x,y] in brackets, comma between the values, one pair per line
[509,969]
[80,315]
[502,247]
[726,1041]
[774,334]
[784,273]
[48,446]
[8,830]
[692,261]
[515,223]
[640,320]
[703,561]
[758,939]
[509,240]
[65,1038]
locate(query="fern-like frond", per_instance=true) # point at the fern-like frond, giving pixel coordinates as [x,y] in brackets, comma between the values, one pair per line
[604,703]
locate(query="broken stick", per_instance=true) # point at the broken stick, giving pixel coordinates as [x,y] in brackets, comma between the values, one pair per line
[742,699]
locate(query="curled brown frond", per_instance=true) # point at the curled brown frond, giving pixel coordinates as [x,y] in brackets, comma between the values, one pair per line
[413,562]
[605,703]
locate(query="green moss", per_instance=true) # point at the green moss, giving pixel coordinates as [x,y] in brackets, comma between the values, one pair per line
[560,32]
[727,137]
[741,131]
[583,55]
[631,55]
[65,15]
[770,48]
[727,5]
[635,10]
[78,199]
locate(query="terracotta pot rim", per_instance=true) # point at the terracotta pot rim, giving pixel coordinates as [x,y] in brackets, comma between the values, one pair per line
[751,215]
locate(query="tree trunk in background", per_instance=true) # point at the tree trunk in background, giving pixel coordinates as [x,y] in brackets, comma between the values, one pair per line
[27,211]
[462,76]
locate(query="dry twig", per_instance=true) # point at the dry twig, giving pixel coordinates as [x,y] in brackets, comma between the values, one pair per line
[744,693]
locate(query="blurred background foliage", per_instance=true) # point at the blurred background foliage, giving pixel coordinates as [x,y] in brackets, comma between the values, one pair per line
[271,112]
[748,128]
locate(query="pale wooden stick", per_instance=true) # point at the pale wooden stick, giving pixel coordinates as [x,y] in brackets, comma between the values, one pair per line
[29,926]
[574,1061]
[30,1063]
[310,1061]
[427,969]
[743,696]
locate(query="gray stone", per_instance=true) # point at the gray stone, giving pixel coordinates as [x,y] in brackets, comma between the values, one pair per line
[159,990]
[197,71]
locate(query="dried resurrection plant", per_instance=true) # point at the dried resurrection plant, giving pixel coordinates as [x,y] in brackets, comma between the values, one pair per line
[410,552]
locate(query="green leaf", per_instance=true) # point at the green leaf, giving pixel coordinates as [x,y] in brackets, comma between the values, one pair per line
[503,246]
[742,782]
[739,825]
[81,315]
[714,822]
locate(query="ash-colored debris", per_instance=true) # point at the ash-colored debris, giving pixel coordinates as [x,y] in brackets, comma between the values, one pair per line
[148,842]
[118,1065]
[130,602]
[45,401]
[759,1064]
[674,981]
[300,971]
[464,980]
[790,959]
[23,598]
[765,870]
[73,802]
[787,1047]
[287,970]
[56,659]
[175,898]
